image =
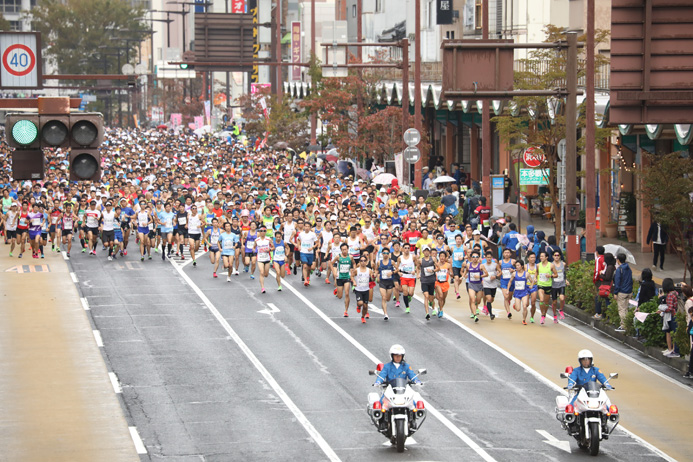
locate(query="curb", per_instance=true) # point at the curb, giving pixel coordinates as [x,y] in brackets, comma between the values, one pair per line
[680,364]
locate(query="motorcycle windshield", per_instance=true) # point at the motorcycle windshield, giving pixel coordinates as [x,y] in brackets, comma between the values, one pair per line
[399,386]
[592,389]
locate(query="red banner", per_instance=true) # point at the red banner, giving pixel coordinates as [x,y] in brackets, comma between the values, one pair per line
[237,6]
[296,49]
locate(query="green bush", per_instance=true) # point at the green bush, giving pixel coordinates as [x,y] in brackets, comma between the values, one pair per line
[581,291]
[611,314]
[681,335]
[651,329]
[630,322]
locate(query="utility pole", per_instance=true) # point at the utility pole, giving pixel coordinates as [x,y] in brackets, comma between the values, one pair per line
[278,50]
[486,123]
[572,246]
[417,88]
[590,183]
[313,118]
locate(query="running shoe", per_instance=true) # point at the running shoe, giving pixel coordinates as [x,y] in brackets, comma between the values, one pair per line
[245,269]
[279,289]
[318,273]
[68,254]
[194,263]
[562,314]
[263,290]
[214,275]
[43,256]
[555,319]
[327,280]
[125,252]
[428,317]
[156,249]
[228,279]
[476,318]
[478,312]
[493,316]
[182,257]
[363,320]
[368,316]
[434,312]
[306,283]
[358,308]
[334,292]
[149,257]
[84,249]
[543,318]
[346,315]
[471,316]
[531,320]
[295,266]
[163,256]
[396,304]
[457,294]
[510,315]
[385,318]
[406,310]
[10,254]
[110,258]
[20,256]
[524,323]
[440,313]
[236,273]
[142,258]
[484,310]
[252,276]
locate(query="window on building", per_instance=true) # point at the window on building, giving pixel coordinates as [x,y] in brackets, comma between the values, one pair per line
[478,14]
[16,26]
[353,11]
[378,6]
[450,35]
[11,6]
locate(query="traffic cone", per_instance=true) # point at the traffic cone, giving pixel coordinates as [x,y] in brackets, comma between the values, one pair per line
[598,220]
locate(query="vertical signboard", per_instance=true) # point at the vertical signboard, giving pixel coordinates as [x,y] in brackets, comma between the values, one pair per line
[296,49]
[21,60]
[237,6]
[444,12]
[252,9]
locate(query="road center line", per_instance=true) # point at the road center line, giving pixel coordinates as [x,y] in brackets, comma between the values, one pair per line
[543,379]
[317,437]
[139,445]
[114,381]
[437,414]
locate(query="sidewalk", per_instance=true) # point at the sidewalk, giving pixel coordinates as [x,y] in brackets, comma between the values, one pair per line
[673,266]
[58,403]
[653,406]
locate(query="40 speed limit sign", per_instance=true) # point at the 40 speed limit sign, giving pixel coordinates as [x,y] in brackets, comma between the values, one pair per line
[20,55]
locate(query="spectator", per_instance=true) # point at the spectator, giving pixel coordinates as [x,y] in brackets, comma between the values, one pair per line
[553,247]
[450,202]
[483,212]
[623,288]
[659,237]
[605,285]
[428,182]
[647,290]
[599,267]
[689,374]
[510,240]
[668,313]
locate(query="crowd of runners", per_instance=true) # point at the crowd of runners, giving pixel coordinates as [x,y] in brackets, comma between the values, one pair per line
[274,215]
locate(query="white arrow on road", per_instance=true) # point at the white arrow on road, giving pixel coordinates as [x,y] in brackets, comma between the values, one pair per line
[555,442]
[273,309]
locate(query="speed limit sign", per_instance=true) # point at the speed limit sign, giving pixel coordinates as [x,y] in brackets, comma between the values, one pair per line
[20,55]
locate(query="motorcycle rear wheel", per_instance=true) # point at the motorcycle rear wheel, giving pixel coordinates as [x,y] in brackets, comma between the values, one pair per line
[400,435]
[594,439]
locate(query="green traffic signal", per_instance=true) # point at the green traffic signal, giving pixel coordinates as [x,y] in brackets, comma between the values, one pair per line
[24,132]
[184,66]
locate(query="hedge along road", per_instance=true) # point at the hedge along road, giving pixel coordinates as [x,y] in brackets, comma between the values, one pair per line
[654,407]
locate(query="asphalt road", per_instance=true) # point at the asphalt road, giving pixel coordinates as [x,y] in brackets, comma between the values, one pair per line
[216,371]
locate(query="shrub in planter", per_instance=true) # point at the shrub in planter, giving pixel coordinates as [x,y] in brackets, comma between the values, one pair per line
[651,329]
[611,313]
[681,335]
[630,322]
[581,291]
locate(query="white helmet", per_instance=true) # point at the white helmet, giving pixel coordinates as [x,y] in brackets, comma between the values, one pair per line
[585,354]
[396,349]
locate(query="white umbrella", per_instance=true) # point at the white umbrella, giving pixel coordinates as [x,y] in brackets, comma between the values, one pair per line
[510,209]
[384,178]
[444,179]
[615,249]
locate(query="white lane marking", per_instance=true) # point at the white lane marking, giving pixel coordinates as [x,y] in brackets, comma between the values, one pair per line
[633,360]
[139,445]
[273,309]
[114,381]
[303,420]
[372,307]
[408,442]
[97,337]
[197,257]
[444,420]
[65,257]
[85,303]
[544,380]
[555,442]
[74,278]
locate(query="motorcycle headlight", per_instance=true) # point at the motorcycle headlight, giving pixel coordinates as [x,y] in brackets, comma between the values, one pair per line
[594,405]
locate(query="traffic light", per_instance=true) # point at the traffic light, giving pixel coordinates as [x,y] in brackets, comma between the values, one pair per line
[188,56]
[22,133]
[54,130]
[86,135]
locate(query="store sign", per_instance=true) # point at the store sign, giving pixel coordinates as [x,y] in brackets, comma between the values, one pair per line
[296,49]
[533,157]
[444,15]
[533,176]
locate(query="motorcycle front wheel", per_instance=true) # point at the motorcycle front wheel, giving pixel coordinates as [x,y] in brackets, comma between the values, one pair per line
[400,435]
[594,439]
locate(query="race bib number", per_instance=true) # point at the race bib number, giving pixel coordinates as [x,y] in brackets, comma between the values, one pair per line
[442,275]
[519,285]
[428,270]
[214,239]
[35,221]
[305,247]
[559,277]
[387,274]
[474,277]
[458,256]
[344,268]
[182,220]
[543,277]
[506,274]
[228,244]
[408,269]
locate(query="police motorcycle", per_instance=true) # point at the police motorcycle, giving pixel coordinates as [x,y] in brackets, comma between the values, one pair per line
[398,411]
[587,413]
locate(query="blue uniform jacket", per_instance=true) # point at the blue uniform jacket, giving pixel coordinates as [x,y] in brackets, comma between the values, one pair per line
[391,372]
[579,377]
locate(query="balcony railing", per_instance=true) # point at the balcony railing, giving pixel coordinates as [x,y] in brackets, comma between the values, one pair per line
[602,72]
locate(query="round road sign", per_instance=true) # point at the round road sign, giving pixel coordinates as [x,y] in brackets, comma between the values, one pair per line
[533,157]
[18,60]
[412,154]
[412,137]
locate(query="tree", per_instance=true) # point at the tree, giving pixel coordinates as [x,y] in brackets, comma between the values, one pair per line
[356,122]
[545,69]
[4,24]
[76,33]
[667,192]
